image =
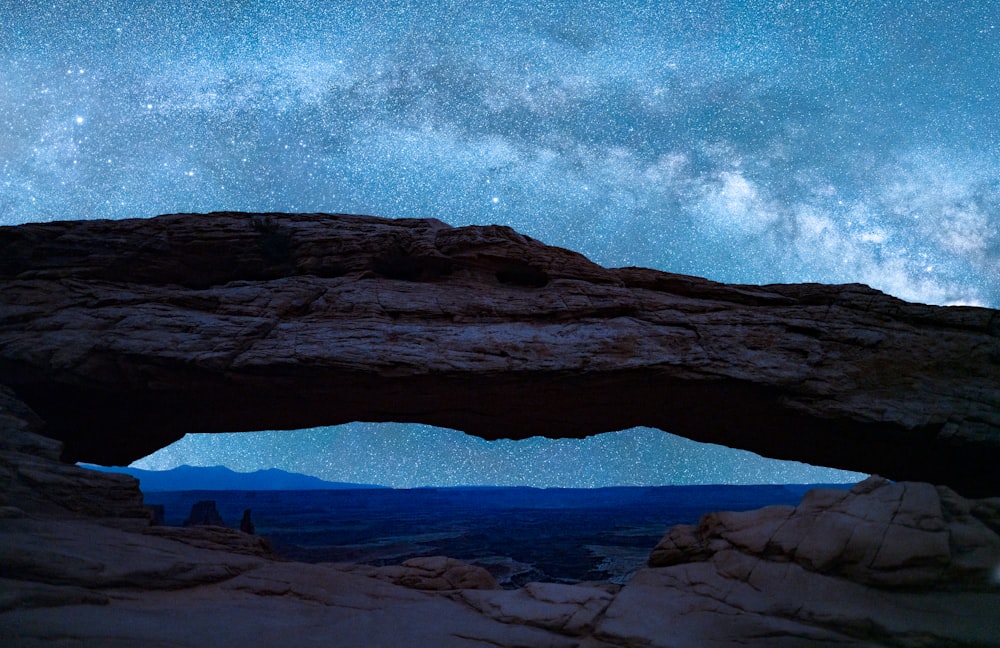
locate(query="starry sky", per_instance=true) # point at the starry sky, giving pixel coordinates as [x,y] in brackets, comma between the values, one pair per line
[753,142]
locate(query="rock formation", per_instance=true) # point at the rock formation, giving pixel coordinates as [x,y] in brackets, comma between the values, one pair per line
[124,335]
[436,573]
[903,564]
[33,479]
[246,523]
[890,564]
[204,513]
[895,536]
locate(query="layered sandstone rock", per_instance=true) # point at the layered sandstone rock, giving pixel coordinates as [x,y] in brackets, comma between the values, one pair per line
[33,479]
[904,564]
[903,535]
[437,573]
[68,535]
[125,335]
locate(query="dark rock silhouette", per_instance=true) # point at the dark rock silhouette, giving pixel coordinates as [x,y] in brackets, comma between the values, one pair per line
[246,524]
[33,479]
[157,512]
[124,335]
[204,513]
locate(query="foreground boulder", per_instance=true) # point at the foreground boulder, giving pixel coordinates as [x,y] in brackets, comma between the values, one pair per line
[905,564]
[903,536]
[124,335]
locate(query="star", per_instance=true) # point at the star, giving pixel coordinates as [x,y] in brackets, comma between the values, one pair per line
[770,142]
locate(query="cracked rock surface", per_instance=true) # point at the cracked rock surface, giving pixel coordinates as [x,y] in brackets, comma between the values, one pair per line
[125,335]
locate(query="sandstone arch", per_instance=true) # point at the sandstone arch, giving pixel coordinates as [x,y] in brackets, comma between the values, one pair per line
[124,335]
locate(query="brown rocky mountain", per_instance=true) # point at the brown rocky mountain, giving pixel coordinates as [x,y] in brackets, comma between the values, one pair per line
[117,337]
[124,335]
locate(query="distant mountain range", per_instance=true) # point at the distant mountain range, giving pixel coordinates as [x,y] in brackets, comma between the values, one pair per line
[185,478]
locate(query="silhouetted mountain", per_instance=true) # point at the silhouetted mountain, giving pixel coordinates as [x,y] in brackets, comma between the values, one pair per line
[185,478]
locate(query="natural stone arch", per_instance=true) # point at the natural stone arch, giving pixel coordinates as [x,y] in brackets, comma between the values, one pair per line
[124,335]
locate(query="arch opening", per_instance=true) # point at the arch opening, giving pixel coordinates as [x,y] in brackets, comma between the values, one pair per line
[401,455]
[537,509]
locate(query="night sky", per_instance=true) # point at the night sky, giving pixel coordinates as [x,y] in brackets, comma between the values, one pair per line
[752,142]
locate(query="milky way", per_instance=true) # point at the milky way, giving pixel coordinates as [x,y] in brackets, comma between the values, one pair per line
[749,142]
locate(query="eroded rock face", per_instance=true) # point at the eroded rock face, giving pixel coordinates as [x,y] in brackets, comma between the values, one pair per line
[740,600]
[124,335]
[903,535]
[33,479]
[905,564]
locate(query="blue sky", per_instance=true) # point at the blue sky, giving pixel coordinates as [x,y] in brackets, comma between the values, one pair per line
[749,142]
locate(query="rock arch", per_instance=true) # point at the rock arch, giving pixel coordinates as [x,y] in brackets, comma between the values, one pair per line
[124,335]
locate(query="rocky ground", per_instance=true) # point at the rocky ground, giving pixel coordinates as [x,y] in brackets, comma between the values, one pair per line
[884,564]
